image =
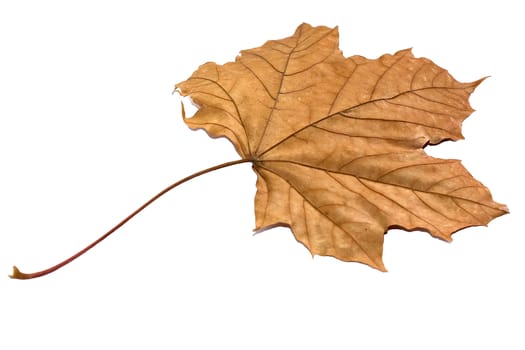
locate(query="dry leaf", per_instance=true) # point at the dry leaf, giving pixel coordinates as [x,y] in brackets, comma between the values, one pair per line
[337,142]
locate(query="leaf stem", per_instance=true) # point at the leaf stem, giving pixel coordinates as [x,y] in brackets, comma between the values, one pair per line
[17,274]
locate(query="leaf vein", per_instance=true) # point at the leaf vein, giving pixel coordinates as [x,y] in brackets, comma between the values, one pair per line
[348,110]
[263,59]
[234,104]
[384,73]
[390,172]
[371,180]
[478,221]
[400,205]
[263,84]
[322,214]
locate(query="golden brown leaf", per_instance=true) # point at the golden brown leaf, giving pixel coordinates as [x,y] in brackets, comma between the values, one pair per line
[337,142]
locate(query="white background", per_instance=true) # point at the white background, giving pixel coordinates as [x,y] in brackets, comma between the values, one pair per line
[89,130]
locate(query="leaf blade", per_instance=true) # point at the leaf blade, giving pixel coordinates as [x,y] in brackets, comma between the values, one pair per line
[337,143]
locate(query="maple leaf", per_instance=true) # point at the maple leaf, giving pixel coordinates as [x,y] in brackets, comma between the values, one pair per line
[337,142]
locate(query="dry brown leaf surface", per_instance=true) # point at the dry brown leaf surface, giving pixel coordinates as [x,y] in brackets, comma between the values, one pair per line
[337,143]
